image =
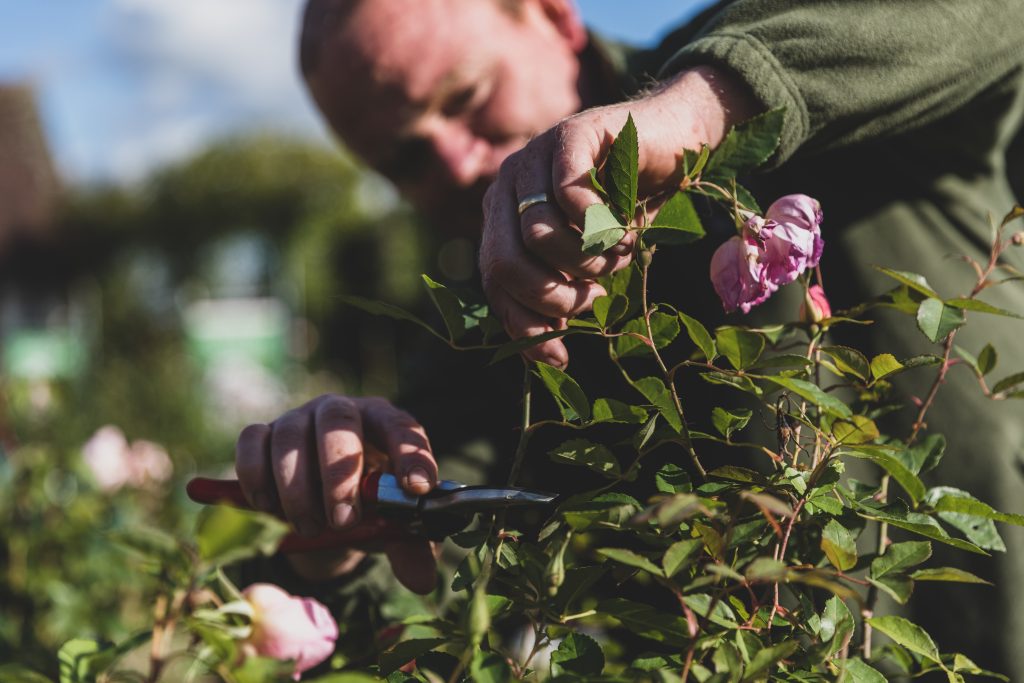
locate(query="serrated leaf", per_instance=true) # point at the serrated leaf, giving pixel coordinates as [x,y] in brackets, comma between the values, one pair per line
[857,430]
[630,559]
[981,307]
[849,361]
[449,306]
[936,320]
[907,634]
[741,347]
[1008,383]
[678,555]
[647,622]
[893,465]
[609,309]
[916,522]
[912,280]
[601,230]
[672,478]
[858,672]
[517,346]
[949,499]
[677,223]
[766,657]
[727,422]
[595,457]
[924,456]
[839,545]
[621,170]
[899,557]
[883,365]
[490,667]
[766,569]
[814,394]
[578,654]
[610,410]
[404,652]
[897,586]
[747,145]
[571,400]
[836,624]
[664,329]
[655,391]
[700,336]
[951,574]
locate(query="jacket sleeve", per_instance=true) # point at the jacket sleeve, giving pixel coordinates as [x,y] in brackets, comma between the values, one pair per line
[847,71]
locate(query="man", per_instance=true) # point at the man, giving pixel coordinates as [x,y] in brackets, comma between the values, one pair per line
[898,117]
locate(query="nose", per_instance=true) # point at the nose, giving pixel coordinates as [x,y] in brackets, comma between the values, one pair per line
[461,153]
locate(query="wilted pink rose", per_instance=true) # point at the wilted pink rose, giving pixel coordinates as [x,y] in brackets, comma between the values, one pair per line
[792,237]
[815,307]
[114,463]
[738,274]
[288,627]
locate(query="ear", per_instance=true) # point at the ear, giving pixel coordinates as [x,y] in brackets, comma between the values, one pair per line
[566,19]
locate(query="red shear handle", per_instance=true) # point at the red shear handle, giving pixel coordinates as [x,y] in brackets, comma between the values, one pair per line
[371,531]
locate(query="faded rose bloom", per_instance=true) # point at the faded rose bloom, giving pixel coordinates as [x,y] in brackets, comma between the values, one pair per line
[738,274]
[815,307]
[792,237]
[288,627]
[114,464]
[106,456]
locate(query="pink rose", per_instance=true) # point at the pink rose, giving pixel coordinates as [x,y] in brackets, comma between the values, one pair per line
[288,627]
[114,463]
[792,237]
[815,307]
[738,274]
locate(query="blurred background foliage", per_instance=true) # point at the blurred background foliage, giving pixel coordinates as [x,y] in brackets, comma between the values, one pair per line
[178,310]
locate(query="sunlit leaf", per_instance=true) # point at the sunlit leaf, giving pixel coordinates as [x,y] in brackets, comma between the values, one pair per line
[601,229]
[839,545]
[936,320]
[907,634]
[571,400]
[593,456]
[741,347]
[621,170]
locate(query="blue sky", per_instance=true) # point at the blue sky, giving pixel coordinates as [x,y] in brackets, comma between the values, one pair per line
[125,85]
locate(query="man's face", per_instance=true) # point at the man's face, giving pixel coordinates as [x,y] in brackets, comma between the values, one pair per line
[435,94]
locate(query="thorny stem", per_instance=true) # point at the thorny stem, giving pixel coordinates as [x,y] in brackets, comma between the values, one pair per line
[780,554]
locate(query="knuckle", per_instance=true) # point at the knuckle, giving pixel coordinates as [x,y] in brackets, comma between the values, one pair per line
[535,235]
[337,409]
[290,431]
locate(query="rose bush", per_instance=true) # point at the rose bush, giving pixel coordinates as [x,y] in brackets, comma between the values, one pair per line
[287,627]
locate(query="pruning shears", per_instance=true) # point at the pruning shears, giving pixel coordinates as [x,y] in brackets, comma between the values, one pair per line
[389,513]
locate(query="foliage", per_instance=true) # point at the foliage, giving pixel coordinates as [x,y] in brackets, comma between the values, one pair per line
[741,573]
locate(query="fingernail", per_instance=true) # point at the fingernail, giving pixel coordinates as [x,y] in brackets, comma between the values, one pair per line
[261,502]
[417,478]
[344,515]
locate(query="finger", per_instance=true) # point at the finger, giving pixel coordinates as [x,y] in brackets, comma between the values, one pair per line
[579,147]
[414,565]
[547,235]
[291,440]
[252,465]
[339,439]
[520,322]
[404,441]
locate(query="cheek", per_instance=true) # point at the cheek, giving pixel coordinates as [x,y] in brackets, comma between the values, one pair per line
[534,97]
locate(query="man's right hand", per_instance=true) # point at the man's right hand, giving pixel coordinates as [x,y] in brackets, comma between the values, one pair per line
[306,466]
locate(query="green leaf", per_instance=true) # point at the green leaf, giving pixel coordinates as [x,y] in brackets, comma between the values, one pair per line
[924,456]
[883,365]
[981,307]
[849,361]
[951,574]
[721,615]
[449,306]
[766,569]
[387,310]
[898,587]
[263,669]
[601,229]
[517,346]
[621,170]
[916,522]
[678,555]
[630,559]
[857,430]
[893,465]
[490,667]
[1008,383]
[404,652]
[578,654]
[836,624]
[948,499]
[727,422]
[610,410]
[699,335]
[936,320]
[655,391]
[571,400]
[647,622]
[907,634]
[226,534]
[694,162]
[597,183]
[741,347]
[839,545]
[987,360]
[815,395]
[672,478]
[81,659]
[16,673]
[912,280]
[747,145]
[899,557]
[766,657]
[587,454]
[664,329]
[606,509]
[676,224]
[609,309]
[859,672]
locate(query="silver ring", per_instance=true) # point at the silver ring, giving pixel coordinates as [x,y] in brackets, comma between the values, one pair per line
[530,200]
